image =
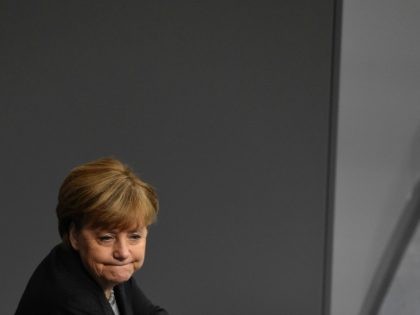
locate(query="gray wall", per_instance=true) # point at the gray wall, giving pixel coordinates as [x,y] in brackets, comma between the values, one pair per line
[223,106]
[403,292]
[378,158]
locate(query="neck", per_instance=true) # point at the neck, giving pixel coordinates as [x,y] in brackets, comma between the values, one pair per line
[108,293]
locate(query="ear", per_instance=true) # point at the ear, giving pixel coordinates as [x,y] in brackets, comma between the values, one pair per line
[74,237]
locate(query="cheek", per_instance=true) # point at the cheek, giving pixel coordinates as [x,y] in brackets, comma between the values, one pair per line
[137,265]
[94,258]
[138,256]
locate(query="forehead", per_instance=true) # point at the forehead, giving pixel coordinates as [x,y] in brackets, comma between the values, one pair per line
[90,232]
[115,221]
[117,228]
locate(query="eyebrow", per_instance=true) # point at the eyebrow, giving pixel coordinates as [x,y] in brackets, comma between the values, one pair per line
[116,231]
[139,229]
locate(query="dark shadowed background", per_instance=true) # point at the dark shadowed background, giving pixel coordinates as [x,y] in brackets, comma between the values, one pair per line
[224,106]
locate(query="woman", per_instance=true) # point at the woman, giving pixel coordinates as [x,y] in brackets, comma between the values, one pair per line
[103,212]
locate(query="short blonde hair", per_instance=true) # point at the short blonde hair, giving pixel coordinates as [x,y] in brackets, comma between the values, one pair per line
[104,193]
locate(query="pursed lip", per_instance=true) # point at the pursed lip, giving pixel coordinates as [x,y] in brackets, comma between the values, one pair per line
[119,265]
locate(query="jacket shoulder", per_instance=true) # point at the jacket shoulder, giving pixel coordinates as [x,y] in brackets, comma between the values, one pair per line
[60,285]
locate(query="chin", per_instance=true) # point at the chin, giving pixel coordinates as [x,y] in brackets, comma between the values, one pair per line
[119,274]
[120,279]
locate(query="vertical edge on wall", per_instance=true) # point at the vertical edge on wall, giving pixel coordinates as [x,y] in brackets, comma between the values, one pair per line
[331,160]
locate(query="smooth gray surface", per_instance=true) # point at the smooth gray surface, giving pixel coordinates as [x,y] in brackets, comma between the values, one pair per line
[402,295]
[378,156]
[223,106]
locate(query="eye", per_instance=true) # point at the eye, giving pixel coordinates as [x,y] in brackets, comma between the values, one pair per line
[135,236]
[106,238]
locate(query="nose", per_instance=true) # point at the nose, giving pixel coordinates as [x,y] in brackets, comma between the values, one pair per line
[121,250]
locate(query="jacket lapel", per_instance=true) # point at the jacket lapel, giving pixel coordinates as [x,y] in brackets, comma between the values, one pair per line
[122,301]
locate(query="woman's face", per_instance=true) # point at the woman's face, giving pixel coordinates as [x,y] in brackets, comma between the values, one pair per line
[111,257]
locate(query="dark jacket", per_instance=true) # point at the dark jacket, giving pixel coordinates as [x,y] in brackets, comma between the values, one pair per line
[61,285]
